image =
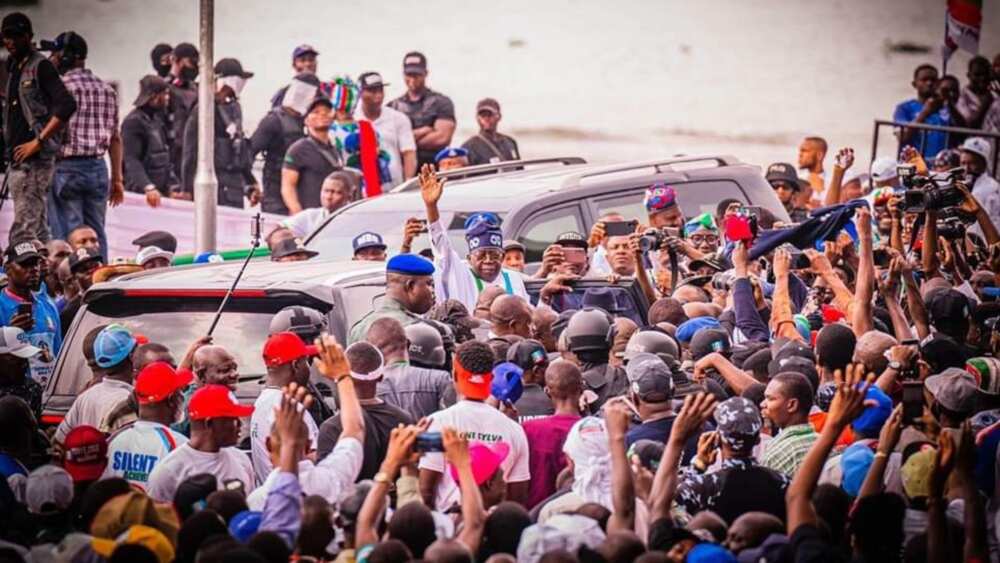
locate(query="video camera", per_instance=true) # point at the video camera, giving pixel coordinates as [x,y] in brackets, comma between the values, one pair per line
[930,193]
[654,239]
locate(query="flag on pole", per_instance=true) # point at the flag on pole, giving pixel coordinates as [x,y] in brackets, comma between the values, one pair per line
[962,24]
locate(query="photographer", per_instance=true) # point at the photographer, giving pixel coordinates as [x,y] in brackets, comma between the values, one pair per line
[975,155]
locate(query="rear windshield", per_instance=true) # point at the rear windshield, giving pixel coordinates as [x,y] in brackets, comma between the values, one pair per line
[334,240]
[175,323]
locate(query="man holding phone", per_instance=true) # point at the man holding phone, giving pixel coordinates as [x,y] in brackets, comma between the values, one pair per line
[22,305]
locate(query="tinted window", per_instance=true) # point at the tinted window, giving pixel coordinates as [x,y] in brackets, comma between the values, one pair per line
[542,229]
[695,198]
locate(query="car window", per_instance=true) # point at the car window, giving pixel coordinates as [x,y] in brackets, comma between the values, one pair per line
[695,198]
[541,230]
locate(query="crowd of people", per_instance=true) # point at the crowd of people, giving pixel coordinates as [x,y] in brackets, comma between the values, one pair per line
[821,387]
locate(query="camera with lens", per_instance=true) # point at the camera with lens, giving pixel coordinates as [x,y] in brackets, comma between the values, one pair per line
[951,228]
[723,281]
[654,239]
[930,193]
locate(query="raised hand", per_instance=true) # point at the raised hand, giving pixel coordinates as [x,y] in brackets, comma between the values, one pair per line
[849,400]
[708,448]
[413,228]
[782,263]
[400,450]
[891,431]
[864,222]
[819,261]
[431,187]
[332,361]
[288,416]
[696,410]
[740,259]
[844,158]
[617,417]
[456,447]
[597,234]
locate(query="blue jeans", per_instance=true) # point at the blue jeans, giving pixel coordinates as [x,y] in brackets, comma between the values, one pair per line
[79,196]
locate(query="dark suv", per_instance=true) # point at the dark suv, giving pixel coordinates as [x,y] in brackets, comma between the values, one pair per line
[538,200]
[176,306]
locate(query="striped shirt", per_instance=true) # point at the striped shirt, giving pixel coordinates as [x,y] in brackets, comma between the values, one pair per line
[788,449]
[96,119]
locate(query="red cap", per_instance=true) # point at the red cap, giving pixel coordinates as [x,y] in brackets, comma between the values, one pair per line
[471,385]
[216,401]
[86,453]
[158,380]
[286,347]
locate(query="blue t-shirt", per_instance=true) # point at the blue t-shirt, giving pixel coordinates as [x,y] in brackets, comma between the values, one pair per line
[46,334]
[659,431]
[934,141]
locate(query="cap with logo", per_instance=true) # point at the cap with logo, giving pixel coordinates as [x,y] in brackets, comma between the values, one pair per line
[286,347]
[528,354]
[303,50]
[450,152]
[290,247]
[784,173]
[367,239]
[67,41]
[476,386]
[488,216]
[159,380]
[955,389]
[15,341]
[151,253]
[977,145]
[86,453]
[572,239]
[483,234]
[986,370]
[216,401]
[488,104]
[414,63]
[371,80]
[230,67]
[650,378]
[707,341]
[21,252]
[82,257]
[113,345]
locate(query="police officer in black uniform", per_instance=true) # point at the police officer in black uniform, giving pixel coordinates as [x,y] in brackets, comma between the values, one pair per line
[233,160]
[148,169]
[589,335]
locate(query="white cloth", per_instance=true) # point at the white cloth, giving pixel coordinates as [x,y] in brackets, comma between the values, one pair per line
[260,428]
[395,136]
[329,478]
[477,421]
[303,223]
[587,446]
[227,464]
[987,192]
[453,277]
[134,452]
[599,264]
[91,406]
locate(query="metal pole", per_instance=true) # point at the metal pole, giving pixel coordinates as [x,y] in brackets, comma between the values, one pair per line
[205,184]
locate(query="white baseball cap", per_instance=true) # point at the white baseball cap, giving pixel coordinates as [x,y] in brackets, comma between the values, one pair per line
[884,169]
[14,341]
[152,252]
[48,488]
[978,145]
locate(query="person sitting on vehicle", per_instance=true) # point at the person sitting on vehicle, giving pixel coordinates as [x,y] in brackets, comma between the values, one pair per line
[787,185]
[291,250]
[336,192]
[450,158]
[368,247]
[465,280]
[409,293]
[513,255]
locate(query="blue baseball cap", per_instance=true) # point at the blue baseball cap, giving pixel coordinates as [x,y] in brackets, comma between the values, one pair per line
[873,417]
[302,50]
[854,464]
[113,345]
[245,524]
[450,152]
[507,384]
[687,329]
[208,258]
[367,239]
[409,265]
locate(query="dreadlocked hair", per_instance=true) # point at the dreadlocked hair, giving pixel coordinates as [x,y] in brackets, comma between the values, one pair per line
[475,356]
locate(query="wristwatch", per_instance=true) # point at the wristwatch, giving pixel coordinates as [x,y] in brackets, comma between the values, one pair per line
[382,477]
[895,366]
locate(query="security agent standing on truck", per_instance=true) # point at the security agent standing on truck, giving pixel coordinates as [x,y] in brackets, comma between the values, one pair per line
[233,160]
[148,169]
[36,105]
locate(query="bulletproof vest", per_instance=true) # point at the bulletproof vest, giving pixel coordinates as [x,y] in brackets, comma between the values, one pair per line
[291,131]
[34,105]
[232,148]
[156,160]
[606,381]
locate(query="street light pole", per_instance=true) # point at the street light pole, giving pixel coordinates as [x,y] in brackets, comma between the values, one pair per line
[205,183]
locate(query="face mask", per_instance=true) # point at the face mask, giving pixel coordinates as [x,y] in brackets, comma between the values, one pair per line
[298,96]
[162,70]
[188,73]
[235,83]
[65,65]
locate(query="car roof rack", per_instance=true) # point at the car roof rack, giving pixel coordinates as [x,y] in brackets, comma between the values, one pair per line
[658,166]
[493,167]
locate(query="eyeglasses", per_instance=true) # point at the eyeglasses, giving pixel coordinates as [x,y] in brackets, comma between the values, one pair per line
[782,186]
[704,239]
[486,113]
[488,255]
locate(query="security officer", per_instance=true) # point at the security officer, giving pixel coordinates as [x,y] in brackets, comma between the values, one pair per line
[148,169]
[589,335]
[409,293]
[233,159]
[308,324]
[451,158]
[426,349]
[281,127]
[662,345]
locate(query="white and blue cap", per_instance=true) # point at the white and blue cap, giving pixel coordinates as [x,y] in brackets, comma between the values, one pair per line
[450,152]
[113,345]
[367,239]
[483,233]
[14,341]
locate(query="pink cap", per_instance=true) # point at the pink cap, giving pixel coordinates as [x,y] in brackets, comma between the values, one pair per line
[485,458]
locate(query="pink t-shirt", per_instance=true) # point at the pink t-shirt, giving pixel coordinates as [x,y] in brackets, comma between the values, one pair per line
[545,455]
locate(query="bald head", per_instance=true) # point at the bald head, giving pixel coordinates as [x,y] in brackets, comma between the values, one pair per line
[511,314]
[447,551]
[870,350]
[485,301]
[690,294]
[563,380]
[750,529]
[695,309]
[148,353]
[389,337]
[215,365]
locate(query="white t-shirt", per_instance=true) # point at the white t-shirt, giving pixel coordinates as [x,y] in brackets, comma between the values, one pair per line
[260,428]
[987,193]
[477,421]
[134,452]
[227,464]
[303,223]
[328,479]
[91,406]
[395,136]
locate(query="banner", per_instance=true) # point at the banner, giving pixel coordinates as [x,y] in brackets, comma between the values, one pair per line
[962,23]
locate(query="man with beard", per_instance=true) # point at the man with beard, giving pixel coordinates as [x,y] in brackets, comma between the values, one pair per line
[148,169]
[975,155]
[22,305]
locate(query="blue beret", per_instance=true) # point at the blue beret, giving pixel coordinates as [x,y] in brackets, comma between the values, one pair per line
[688,329]
[450,152]
[409,265]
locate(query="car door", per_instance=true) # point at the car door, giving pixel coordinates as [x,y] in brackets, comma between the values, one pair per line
[542,227]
